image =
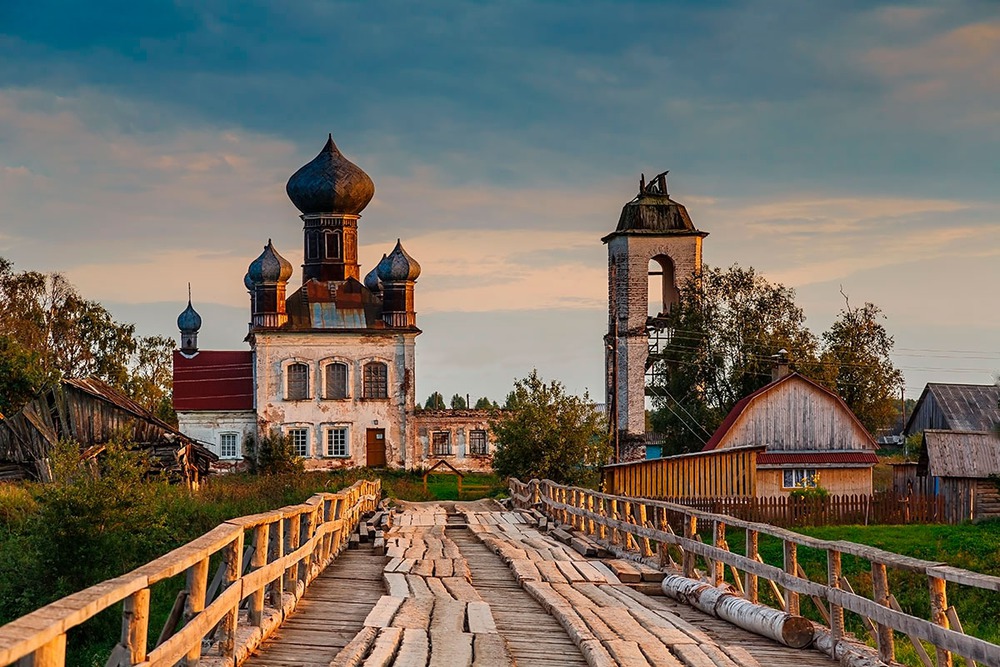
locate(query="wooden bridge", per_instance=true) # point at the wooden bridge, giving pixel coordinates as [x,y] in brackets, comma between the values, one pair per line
[566,577]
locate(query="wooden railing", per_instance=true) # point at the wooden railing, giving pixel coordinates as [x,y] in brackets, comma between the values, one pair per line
[730,472]
[647,529]
[285,550]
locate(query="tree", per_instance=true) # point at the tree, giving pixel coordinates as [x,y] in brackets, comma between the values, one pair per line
[21,375]
[857,366]
[722,337]
[484,404]
[273,455]
[434,402]
[548,434]
[458,402]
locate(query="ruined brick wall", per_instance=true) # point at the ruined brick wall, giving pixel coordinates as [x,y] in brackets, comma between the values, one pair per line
[458,424]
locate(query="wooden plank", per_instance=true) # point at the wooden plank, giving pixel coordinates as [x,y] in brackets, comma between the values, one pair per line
[384,649]
[480,618]
[414,650]
[396,584]
[384,611]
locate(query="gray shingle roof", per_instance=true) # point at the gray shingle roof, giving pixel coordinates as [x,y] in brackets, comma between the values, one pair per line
[963,407]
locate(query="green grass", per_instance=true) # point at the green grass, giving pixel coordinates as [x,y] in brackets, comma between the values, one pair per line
[474,486]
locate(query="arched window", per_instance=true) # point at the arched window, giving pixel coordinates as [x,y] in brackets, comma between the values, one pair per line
[376,380]
[333,245]
[336,381]
[312,245]
[298,382]
[663,292]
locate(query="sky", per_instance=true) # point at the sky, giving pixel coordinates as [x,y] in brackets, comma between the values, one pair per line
[841,146]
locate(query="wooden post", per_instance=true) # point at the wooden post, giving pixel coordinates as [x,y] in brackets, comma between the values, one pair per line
[791,563]
[833,581]
[590,512]
[718,567]
[939,615]
[257,561]
[233,558]
[880,592]
[197,585]
[135,625]
[52,654]
[292,544]
[278,585]
[750,579]
[647,547]
[690,531]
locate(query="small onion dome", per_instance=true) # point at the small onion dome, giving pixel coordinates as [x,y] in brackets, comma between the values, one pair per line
[397,265]
[330,184]
[270,267]
[371,280]
[189,321]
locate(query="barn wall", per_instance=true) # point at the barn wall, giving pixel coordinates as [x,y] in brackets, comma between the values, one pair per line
[929,415]
[796,416]
[838,481]
[987,499]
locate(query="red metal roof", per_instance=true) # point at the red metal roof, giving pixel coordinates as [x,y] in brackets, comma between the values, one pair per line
[213,380]
[790,458]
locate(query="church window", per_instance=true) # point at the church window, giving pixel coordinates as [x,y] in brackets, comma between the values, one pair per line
[298,382]
[312,245]
[229,445]
[336,442]
[442,443]
[336,381]
[300,441]
[332,245]
[477,443]
[376,380]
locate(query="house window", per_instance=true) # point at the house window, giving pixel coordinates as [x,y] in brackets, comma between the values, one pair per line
[336,442]
[229,445]
[332,245]
[799,478]
[442,443]
[336,381]
[376,380]
[477,442]
[298,382]
[300,441]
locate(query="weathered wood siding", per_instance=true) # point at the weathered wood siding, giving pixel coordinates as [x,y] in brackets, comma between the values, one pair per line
[715,473]
[928,415]
[838,481]
[796,416]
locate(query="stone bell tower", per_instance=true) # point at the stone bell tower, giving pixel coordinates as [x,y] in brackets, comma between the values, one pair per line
[653,231]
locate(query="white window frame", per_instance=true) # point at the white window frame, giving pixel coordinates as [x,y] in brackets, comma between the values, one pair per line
[801,478]
[236,445]
[328,444]
[292,430]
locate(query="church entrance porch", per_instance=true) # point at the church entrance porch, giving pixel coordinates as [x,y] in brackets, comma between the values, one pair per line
[375,448]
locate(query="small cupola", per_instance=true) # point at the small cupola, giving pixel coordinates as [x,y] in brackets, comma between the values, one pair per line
[269,267]
[398,266]
[398,273]
[266,279]
[189,323]
[372,281]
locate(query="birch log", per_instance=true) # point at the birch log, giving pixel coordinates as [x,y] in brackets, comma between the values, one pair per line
[788,629]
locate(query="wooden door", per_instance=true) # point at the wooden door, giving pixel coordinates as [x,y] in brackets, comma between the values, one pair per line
[375,448]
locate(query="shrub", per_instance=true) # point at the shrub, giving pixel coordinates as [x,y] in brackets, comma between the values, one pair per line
[274,455]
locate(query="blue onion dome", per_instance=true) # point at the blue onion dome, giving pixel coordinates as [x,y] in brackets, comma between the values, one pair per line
[189,321]
[371,280]
[397,265]
[330,184]
[270,267]
[248,282]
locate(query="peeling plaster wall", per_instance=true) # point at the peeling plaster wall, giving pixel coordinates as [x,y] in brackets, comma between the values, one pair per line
[275,350]
[208,426]
[458,424]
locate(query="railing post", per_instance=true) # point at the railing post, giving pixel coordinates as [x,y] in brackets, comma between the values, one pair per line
[939,614]
[602,509]
[750,579]
[718,567]
[52,654]
[833,581]
[197,585]
[690,532]
[880,592]
[135,625]
[589,503]
[278,585]
[791,562]
[647,547]
[233,558]
[257,561]
[291,545]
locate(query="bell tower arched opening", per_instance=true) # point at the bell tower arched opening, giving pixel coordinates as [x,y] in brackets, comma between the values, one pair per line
[662,290]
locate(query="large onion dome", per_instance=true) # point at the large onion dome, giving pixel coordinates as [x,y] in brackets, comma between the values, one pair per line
[270,267]
[248,282]
[372,282]
[330,183]
[397,266]
[189,321]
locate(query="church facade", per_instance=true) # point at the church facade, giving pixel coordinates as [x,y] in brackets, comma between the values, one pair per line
[331,362]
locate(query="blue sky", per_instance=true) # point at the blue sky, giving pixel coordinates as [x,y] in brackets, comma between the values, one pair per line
[829,145]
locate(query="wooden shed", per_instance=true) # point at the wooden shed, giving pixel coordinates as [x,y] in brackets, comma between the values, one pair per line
[90,412]
[809,434]
[964,468]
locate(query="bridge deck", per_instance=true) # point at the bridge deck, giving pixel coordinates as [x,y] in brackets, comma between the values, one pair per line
[497,593]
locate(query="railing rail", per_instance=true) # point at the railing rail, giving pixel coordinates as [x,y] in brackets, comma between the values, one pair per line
[644,526]
[288,548]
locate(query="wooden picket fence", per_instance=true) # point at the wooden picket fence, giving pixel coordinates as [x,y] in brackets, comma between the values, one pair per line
[787,511]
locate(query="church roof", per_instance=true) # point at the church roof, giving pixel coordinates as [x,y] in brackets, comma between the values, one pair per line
[330,183]
[342,305]
[654,212]
[213,380]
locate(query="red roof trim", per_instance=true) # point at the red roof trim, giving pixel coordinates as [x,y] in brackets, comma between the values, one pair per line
[741,406]
[783,458]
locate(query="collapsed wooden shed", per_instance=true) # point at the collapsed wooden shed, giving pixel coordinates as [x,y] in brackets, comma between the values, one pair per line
[92,413]
[964,468]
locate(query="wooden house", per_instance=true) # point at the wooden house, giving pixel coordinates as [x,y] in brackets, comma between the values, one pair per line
[92,413]
[964,468]
[810,436]
[970,408]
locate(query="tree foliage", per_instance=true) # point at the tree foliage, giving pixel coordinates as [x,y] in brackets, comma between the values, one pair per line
[458,402]
[72,336]
[547,433]
[434,402]
[273,455]
[21,375]
[485,404]
[724,335]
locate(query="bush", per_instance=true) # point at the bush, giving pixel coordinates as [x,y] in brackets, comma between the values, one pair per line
[275,455]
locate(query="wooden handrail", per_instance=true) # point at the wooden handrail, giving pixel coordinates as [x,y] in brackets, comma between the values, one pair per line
[318,531]
[574,506]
